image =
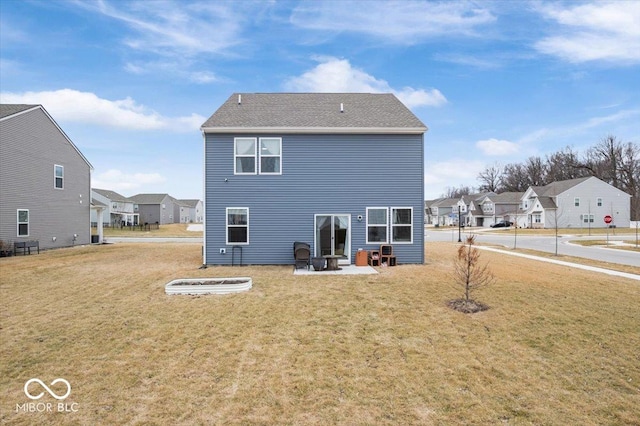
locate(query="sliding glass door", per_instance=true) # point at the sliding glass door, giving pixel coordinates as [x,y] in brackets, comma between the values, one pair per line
[333,236]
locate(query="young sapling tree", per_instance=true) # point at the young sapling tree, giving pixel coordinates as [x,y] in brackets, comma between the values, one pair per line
[471,275]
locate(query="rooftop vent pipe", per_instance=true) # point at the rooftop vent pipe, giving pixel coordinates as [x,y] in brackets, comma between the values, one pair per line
[341,107]
[239,99]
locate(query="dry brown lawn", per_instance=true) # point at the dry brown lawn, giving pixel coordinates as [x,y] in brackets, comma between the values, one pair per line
[170,230]
[558,346]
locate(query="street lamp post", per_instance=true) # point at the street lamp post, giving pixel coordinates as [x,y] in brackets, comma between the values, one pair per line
[459,218]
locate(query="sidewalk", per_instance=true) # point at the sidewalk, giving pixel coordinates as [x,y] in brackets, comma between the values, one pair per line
[563,263]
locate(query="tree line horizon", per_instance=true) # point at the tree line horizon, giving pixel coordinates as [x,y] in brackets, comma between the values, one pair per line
[610,160]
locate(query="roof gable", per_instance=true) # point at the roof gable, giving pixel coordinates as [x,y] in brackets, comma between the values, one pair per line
[556,188]
[111,195]
[9,111]
[314,113]
[190,202]
[149,198]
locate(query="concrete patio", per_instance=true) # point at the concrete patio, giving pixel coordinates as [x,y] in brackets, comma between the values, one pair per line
[344,270]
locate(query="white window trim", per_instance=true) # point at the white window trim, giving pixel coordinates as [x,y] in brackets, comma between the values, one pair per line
[599,202]
[226,225]
[587,218]
[259,157]
[386,215]
[391,225]
[255,157]
[18,223]
[576,202]
[55,177]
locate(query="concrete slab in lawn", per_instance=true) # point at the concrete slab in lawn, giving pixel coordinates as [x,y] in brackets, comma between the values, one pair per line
[344,270]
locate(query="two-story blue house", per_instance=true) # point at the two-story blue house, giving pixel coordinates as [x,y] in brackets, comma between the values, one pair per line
[340,171]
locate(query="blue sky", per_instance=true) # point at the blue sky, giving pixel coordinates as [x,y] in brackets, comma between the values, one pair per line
[495,82]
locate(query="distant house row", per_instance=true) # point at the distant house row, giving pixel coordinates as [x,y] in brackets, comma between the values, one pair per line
[575,203]
[144,208]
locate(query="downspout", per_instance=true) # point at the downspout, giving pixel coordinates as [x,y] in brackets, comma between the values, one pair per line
[204,199]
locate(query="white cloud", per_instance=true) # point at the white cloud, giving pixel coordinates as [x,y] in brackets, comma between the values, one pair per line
[497,147]
[180,69]
[607,31]
[117,180]
[453,173]
[406,22]
[174,28]
[86,107]
[202,77]
[337,75]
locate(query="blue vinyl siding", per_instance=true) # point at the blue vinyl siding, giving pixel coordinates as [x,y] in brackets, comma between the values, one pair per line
[321,174]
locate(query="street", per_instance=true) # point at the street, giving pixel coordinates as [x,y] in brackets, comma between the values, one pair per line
[547,244]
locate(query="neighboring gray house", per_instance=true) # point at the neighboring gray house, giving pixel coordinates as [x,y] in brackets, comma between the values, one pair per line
[118,209]
[493,208]
[45,181]
[155,208]
[191,211]
[575,203]
[444,211]
[340,171]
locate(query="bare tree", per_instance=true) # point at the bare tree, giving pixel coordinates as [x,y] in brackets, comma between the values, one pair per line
[458,192]
[630,176]
[490,178]
[469,273]
[514,178]
[536,171]
[616,163]
[564,165]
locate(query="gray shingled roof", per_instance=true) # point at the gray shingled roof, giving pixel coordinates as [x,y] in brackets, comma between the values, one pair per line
[559,187]
[111,195]
[313,111]
[148,198]
[506,197]
[446,202]
[189,203]
[547,202]
[10,109]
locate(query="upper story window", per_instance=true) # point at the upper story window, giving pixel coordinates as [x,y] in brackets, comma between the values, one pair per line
[402,224]
[270,155]
[23,223]
[257,156]
[377,224]
[599,202]
[58,177]
[245,156]
[576,202]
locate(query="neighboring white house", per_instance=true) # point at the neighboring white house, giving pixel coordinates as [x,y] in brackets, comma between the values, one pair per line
[440,212]
[118,210]
[493,208]
[575,203]
[191,211]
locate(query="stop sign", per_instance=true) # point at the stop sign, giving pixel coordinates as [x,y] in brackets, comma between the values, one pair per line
[608,219]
